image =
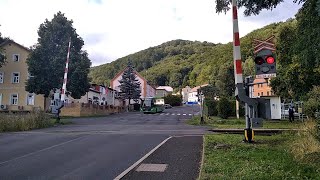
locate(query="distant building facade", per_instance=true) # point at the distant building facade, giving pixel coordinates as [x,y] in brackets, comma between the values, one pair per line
[163,91]
[185,94]
[98,94]
[261,87]
[13,76]
[146,89]
[192,96]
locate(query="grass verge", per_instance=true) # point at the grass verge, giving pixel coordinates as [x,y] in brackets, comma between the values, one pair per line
[227,157]
[233,123]
[25,122]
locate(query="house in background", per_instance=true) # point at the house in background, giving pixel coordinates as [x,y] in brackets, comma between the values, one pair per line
[146,89]
[185,94]
[13,76]
[163,91]
[192,96]
[261,87]
[98,94]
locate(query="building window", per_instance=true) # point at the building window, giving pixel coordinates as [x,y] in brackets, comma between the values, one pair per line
[1,77]
[30,99]
[14,99]
[261,93]
[261,85]
[258,94]
[15,77]
[16,57]
[267,93]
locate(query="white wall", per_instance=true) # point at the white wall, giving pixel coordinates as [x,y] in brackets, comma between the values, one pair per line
[192,97]
[275,106]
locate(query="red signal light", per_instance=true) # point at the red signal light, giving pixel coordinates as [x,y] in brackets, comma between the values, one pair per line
[270,60]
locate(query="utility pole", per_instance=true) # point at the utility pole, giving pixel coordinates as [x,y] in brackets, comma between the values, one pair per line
[200,99]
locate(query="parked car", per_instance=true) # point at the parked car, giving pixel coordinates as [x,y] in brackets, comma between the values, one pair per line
[167,106]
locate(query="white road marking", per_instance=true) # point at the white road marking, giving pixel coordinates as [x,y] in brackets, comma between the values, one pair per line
[32,153]
[184,114]
[190,114]
[178,114]
[140,160]
[173,114]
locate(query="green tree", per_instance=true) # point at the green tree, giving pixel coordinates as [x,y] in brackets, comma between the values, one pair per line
[225,82]
[254,6]
[173,100]
[129,84]
[210,91]
[312,105]
[299,59]
[224,108]
[249,67]
[2,56]
[46,62]
[176,80]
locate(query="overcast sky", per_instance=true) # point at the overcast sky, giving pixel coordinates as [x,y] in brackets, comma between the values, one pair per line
[115,28]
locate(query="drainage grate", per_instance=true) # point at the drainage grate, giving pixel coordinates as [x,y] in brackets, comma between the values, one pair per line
[152,167]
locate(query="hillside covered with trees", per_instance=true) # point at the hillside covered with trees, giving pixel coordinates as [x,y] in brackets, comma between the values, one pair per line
[180,62]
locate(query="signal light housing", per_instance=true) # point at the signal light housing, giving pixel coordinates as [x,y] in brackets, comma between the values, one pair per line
[265,63]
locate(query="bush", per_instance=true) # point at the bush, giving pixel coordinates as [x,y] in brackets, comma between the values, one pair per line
[173,100]
[306,141]
[212,107]
[224,108]
[24,122]
[312,105]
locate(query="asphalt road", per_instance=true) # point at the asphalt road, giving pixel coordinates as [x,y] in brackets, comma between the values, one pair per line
[91,148]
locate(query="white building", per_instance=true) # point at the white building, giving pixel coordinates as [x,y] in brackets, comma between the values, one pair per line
[192,95]
[185,94]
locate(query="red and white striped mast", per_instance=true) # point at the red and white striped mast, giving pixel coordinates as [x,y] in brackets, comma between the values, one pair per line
[251,104]
[236,45]
[65,77]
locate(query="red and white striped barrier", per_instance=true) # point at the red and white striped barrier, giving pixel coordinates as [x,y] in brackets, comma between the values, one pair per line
[64,85]
[236,45]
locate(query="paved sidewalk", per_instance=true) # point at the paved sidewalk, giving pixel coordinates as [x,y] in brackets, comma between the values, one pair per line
[179,158]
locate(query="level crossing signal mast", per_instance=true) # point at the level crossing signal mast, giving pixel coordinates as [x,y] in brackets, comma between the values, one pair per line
[265,59]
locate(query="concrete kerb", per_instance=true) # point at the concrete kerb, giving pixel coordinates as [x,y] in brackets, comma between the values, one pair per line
[257,131]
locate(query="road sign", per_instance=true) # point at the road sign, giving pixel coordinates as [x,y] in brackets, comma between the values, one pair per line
[264,44]
[263,76]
